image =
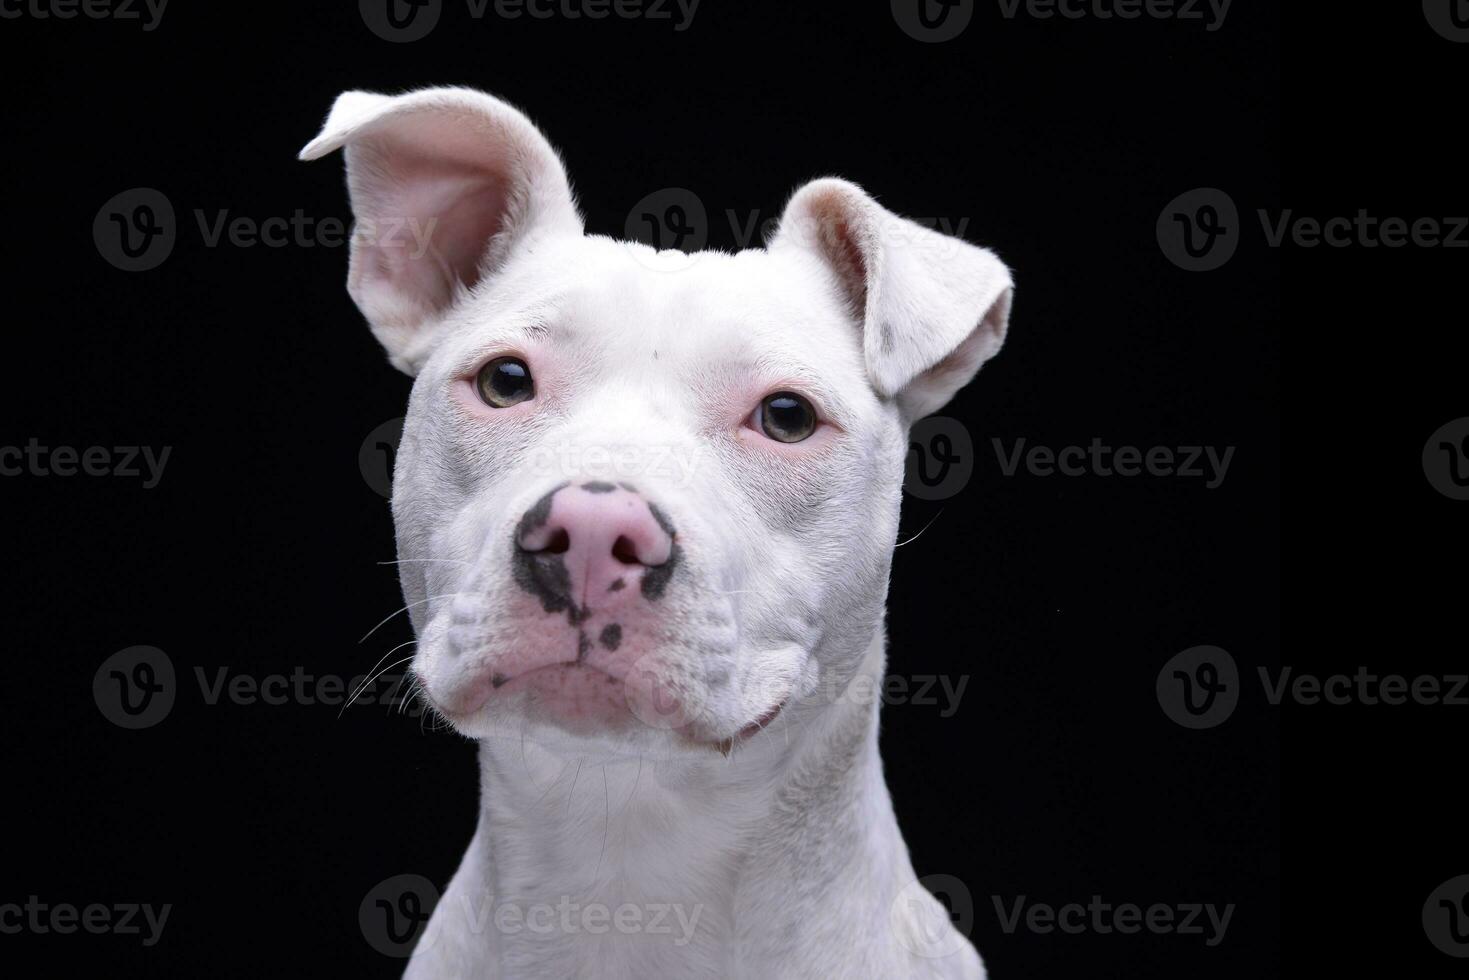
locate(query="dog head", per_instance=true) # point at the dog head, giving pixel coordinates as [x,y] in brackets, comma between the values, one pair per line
[643,499]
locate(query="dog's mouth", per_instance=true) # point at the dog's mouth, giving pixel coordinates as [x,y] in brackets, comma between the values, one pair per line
[760,724]
[726,746]
[579,696]
[592,700]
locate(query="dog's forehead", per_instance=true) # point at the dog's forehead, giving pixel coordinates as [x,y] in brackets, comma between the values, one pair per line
[699,311]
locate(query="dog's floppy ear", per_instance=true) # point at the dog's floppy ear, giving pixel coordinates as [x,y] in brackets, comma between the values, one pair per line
[932,308]
[445,183]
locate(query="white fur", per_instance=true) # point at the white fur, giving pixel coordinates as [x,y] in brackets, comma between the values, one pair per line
[782,857]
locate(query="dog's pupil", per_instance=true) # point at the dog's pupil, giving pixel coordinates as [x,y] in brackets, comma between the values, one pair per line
[510,378]
[787,417]
[505,381]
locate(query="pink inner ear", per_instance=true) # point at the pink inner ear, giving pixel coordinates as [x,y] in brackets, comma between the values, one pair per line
[444,183]
[831,214]
[431,194]
[437,246]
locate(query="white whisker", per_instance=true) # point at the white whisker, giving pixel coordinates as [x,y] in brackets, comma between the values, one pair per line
[363,686]
[446,595]
[606,825]
[571,793]
[920,533]
[370,680]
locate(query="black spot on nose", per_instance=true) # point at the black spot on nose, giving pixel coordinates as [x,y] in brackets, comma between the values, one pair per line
[539,513]
[598,486]
[655,580]
[611,636]
[662,519]
[617,585]
[544,576]
[543,573]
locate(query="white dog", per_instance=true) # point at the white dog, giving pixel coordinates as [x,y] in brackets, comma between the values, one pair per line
[646,504]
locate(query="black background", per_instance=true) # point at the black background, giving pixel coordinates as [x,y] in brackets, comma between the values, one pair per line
[1059,143]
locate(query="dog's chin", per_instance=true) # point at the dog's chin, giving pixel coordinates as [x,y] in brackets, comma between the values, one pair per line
[623,737]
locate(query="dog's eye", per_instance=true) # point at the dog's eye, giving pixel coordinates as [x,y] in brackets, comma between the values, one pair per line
[505,381]
[786,417]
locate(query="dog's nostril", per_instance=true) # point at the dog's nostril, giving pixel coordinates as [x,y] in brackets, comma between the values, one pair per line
[625,551]
[560,542]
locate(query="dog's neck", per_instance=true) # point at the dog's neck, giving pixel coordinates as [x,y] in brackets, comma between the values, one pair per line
[719,868]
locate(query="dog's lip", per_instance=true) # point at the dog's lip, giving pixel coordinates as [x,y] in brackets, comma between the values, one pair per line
[760,724]
[726,745]
[488,688]
[498,680]
[496,683]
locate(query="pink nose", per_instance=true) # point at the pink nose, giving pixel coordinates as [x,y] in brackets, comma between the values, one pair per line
[593,544]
